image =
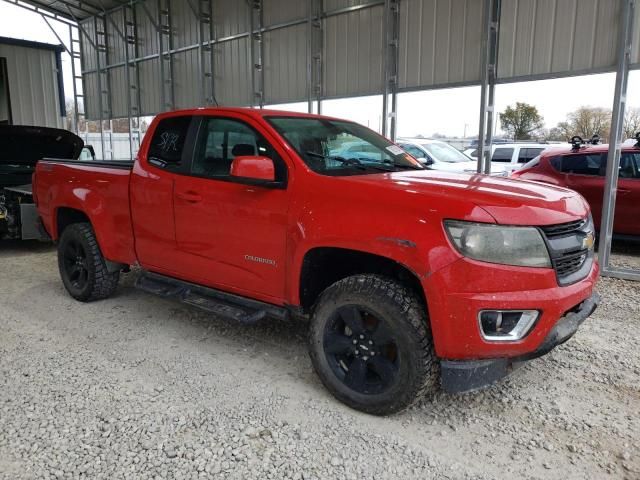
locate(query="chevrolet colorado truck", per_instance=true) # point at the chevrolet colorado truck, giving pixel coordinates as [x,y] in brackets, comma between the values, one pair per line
[411,279]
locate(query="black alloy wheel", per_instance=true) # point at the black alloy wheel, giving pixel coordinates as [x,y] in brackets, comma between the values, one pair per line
[83,269]
[361,350]
[371,345]
[75,263]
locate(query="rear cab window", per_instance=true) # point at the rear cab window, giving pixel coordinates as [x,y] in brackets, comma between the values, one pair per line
[166,150]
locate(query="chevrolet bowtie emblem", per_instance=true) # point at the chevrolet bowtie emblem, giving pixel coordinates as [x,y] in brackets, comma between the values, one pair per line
[588,241]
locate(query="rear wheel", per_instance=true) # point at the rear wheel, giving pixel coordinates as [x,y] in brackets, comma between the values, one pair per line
[82,267]
[371,345]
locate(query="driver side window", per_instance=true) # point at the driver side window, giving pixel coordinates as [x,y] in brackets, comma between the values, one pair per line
[221,140]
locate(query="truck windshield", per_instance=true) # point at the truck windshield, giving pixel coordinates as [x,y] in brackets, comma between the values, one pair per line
[334,147]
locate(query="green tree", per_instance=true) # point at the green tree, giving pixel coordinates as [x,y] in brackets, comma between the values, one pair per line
[521,121]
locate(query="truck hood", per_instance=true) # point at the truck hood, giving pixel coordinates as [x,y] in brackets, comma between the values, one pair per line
[467,167]
[25,145]
[508,201]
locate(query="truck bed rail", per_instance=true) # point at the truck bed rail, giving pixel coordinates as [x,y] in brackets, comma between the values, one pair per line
[123,164]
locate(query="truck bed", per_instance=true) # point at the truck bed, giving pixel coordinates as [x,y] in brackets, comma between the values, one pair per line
[66,190]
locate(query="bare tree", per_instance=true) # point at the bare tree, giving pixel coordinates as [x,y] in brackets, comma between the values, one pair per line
[588,121]
[631,122]
[556,133]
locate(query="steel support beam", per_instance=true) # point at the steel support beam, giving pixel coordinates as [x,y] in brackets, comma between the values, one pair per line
[391,32]
[390,66]
[165,41]
[72,56]
[627,14]
[489,65]
[314,54]
[257,51]
[44,11]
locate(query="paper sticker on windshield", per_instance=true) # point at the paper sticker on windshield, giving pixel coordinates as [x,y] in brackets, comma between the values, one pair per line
[396,150]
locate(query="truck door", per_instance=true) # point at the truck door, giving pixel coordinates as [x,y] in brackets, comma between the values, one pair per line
[151,192]
[231,235]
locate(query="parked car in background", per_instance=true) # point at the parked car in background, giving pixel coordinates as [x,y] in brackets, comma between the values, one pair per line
[509,157]
[583,169]
[438,155]
[472,153]
[20,149]
[356,151]
[474,142]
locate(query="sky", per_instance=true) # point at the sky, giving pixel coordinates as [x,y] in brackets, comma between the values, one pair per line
[450,112]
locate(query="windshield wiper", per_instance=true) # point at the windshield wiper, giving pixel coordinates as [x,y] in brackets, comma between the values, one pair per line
[347,161]
[406,167]
[357,163]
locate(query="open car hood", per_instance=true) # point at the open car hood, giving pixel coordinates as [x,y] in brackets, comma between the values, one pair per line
[25,145]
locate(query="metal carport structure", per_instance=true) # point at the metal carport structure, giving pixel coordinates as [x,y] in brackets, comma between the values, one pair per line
[141,57]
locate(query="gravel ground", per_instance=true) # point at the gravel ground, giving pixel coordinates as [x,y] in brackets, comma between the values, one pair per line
[141,387]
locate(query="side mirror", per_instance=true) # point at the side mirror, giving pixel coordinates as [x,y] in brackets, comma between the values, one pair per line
[254,169]
[425,161]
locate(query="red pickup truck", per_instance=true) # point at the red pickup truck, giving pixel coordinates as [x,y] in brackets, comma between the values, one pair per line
[410,278]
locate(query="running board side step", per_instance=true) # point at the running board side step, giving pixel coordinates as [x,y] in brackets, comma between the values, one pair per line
[223,304]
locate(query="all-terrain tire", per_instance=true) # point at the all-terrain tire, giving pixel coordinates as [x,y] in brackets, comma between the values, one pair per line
[405,317]
[95,282]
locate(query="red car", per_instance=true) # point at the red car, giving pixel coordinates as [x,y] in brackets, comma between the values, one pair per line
[582,168]
[410,278]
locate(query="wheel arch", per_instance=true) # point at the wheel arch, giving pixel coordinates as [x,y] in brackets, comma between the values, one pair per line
[323,266]
[66,216]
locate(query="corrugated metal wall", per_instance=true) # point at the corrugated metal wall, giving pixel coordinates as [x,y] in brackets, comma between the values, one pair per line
[33,86]
[439,45]
[440,42]
[353,54]
[555,36]
[285,64]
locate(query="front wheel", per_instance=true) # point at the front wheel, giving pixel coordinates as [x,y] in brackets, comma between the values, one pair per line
[82,267]
[371,345]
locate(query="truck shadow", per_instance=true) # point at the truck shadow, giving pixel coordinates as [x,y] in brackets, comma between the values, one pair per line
[18,248]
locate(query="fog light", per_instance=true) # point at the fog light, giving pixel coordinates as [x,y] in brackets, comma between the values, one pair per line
[506,325]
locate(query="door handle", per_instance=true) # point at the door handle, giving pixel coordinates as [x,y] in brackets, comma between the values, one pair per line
[623,191]
[191,197]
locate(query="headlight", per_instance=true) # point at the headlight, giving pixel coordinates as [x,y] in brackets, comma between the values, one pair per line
[520,246]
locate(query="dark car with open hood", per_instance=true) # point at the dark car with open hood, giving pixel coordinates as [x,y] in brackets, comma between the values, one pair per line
[20,149]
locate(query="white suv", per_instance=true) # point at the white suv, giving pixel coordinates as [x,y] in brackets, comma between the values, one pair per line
[439,155]
[511,156]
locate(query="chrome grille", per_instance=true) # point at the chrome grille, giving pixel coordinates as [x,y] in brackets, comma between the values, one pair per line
[571,261]
[570,264]
[563,228]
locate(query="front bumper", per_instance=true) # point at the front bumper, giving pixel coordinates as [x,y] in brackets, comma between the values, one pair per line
[458,292]
[464,376]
